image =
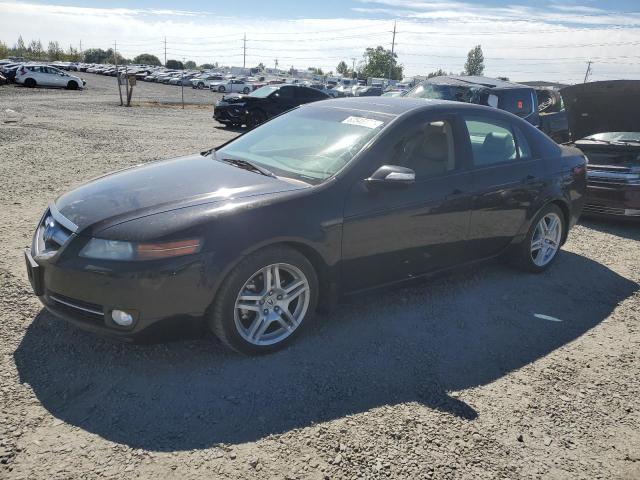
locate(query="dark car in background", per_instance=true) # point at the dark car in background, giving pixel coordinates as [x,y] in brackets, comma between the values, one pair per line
[521,100]
[604,119]
[262,104]
[370,91]
[333,197]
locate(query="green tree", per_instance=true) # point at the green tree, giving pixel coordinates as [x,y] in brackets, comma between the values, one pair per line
[190,65]
[98,55]
[342,68]
[174,64]
[54,52]
[260,67]
[208,66]
[315,70]
[4,50]
[438,73]
[475,62]
[73,55]
[147,59]
[377,62]
[20,47]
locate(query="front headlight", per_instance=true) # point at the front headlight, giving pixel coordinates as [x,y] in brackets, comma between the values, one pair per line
[102,249]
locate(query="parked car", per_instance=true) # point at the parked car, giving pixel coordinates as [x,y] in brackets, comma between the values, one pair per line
[3,79]
[370,91]
[230,86]
[521,100]
[330,198]
[46,76]
[205,81]
[181,80]
[262,104]
[603,120]
[394,93]
[9,71]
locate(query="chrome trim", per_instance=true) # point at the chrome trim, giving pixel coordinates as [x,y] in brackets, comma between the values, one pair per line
[612,175]
[77,307]
[61,219]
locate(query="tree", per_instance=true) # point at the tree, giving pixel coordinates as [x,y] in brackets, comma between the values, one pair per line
[97,55]
[377,62]
[260,67]
[190,65]
[147,59]
[315,70]
[73,55]
[19,47]
[342,68]
[4,50]
[208,66]
[54,52]
[475,62]
[438,73]
[174,64]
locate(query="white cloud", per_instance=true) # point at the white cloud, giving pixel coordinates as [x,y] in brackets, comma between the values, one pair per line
[522,42]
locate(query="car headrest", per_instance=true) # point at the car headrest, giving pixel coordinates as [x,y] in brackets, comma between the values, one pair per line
[436,147]
[499,145]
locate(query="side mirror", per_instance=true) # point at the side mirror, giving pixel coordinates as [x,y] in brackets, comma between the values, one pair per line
[392,176]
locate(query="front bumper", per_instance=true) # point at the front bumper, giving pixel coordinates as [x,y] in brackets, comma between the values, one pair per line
[612,199]
[229,115]
[84,292]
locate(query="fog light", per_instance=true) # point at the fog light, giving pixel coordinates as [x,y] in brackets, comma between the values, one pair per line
[123,319]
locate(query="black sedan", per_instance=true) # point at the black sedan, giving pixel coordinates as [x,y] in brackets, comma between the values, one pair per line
[331,198]
[264,103]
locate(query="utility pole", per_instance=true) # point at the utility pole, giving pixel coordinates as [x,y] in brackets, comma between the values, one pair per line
[165,51]
[393,48]
[276,64]
[115,61]
[244,53]
[586,75]
[182,81]
[353,66]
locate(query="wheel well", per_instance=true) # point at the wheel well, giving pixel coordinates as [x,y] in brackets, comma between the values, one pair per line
[319,266]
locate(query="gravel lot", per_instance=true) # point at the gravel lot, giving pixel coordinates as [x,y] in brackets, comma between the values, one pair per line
[455,377]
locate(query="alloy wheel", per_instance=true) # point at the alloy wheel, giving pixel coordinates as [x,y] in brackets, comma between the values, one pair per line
[272,304]
[545,240]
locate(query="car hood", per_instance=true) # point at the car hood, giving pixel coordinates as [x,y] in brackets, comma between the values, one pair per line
[160,187]
[599,107]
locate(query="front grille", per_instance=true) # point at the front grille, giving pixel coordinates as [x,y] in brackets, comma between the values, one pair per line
[78,309]
[602,210]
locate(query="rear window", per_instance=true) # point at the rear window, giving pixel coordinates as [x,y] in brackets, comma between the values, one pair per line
[516,101]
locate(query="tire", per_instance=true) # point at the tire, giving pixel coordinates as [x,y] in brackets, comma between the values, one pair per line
[246,90]
[30,83]
[255,118]
[527,256]
[72,85]
[261,331]
[221,89]
[200,86]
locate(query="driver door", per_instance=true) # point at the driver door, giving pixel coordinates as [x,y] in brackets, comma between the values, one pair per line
[393,233]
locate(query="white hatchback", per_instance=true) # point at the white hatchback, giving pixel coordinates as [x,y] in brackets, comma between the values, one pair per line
[46,76]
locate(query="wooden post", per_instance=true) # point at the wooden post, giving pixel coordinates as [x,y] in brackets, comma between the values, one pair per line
[115,60]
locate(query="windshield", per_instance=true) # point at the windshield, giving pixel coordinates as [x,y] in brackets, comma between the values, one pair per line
[306,144]
[615,137]
[263,92]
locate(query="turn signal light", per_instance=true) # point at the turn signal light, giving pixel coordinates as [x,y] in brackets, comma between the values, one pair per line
[151,251]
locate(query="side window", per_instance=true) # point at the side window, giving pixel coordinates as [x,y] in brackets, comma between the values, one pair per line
[427,148]
[524,151]
[491,141]
[286,92]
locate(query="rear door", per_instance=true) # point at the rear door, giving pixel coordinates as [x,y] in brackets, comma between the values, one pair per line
[284,99]
[307,95]
[507,180]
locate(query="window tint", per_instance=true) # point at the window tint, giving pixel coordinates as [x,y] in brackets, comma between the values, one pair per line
[286,92]
[428,149]
[524,151]
[491,142]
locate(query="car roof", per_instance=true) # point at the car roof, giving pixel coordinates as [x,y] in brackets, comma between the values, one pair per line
[391,106]
[475,80]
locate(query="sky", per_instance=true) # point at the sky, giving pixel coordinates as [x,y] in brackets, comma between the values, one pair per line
[521,39]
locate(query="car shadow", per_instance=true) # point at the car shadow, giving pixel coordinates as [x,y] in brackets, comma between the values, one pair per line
[231,129]
[411,344]
[622,227]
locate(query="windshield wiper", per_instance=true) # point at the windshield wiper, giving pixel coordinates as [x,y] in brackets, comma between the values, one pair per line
[237,162]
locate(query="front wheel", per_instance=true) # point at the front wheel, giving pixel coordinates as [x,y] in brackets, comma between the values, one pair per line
[221,89]
[200,85]
[30,83]
[265,301]
[72,85]
[255,118]
[246,90]
[541,245]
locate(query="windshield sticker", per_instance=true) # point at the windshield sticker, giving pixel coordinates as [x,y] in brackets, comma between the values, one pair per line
[363,122]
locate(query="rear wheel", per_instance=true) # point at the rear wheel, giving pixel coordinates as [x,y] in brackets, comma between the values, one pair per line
[544,238]
[265,301]
[246,90]
[30,82]
[72,85]
[200,85]
[221,89]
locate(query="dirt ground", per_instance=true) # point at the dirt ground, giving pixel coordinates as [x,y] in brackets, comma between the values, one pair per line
[490,373]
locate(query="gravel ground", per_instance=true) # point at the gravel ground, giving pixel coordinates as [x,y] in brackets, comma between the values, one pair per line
[455,377]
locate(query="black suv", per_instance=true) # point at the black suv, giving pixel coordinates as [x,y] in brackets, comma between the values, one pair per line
[262,104]
[521,100]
